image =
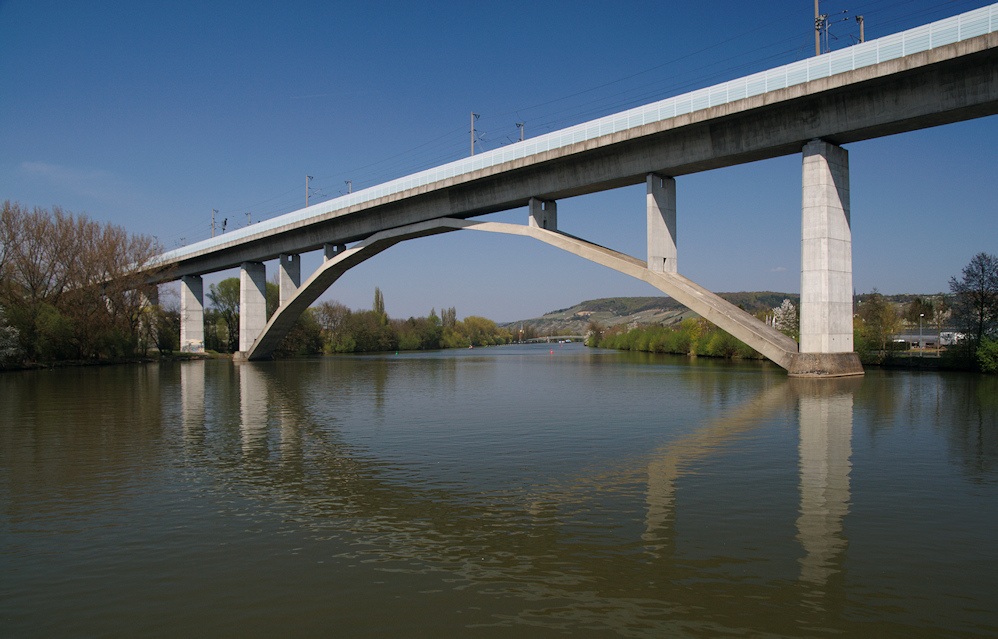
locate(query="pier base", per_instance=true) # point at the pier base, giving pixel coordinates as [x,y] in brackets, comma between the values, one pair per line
[825,365]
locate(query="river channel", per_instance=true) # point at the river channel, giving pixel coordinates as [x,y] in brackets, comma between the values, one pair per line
[529,491]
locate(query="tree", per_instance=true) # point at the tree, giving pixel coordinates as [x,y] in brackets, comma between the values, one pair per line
[379,302]
[224,298]
[975,304]
[879,323]
[919,309]
[10,345]
[594,333]
[304,338]
[166,327]
[273,296]
[480,331]
[334,321]
[72,287]
[787,320]
[940,319]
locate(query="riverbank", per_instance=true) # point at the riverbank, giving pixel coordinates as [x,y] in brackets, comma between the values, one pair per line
[147,359]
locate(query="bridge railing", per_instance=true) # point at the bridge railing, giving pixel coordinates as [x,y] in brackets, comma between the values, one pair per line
[936,34]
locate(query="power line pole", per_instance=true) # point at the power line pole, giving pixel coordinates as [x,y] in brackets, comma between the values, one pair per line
[859,19]
[349,184]
[520,124]
[307,178]
[213,212]
[817,30]
[473,116]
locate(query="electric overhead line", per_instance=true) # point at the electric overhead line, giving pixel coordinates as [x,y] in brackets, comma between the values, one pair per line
[445,148]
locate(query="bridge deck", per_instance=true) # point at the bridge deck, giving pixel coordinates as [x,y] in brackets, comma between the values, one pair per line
[939,73]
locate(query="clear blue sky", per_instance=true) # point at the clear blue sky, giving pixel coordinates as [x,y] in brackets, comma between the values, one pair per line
[150,115]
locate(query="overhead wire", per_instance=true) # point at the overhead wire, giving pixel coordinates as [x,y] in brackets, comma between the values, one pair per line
[452,145]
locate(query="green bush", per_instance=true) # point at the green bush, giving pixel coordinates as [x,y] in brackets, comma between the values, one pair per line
[987,356]
[691,337]
[54,334]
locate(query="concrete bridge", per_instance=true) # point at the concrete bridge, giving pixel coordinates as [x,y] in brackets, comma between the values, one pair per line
[932,75]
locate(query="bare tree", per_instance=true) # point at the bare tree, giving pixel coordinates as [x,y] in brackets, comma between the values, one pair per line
[975,307]
[72,287]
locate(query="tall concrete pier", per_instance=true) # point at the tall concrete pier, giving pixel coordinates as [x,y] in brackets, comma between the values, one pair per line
[662,251]
[191,314]
[252,303]
[826,343]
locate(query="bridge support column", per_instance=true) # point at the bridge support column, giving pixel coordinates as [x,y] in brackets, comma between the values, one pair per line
[662,251]
[252,303]
[290,276]
[330,251]
[544,214]
[191,314]
[826,343]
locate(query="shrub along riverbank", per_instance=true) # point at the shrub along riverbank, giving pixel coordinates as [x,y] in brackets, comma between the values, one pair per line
[694,336]
[700,338]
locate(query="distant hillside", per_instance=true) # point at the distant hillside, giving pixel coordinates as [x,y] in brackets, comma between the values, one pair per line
[611,311]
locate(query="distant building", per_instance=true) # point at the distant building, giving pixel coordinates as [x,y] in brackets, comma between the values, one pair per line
[950,338]
[931,340]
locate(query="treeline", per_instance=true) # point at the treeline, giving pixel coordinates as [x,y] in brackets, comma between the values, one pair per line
[68,288]
[693,336]
[348,331]
[971,312]
[331,327]
[752,302]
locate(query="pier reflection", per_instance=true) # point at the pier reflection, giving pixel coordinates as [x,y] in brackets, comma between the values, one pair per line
[825,418]
[825,409]
[192,400]
[253,405]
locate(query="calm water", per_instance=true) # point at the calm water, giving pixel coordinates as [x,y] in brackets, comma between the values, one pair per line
[496,492]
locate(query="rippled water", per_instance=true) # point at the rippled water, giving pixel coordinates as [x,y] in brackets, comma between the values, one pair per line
[528,491]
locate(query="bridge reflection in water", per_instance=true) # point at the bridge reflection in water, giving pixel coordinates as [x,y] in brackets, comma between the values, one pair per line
[507,491]
[824,413]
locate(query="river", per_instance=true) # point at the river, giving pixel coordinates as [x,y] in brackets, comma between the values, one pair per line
[527,491]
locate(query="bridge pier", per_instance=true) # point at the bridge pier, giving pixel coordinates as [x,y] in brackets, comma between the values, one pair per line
[252,304]
[330,251]
[662,250]
[826,332]
[544,214]
[290,276]
[191,314]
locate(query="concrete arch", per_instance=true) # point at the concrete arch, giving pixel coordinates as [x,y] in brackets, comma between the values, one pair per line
[774,345]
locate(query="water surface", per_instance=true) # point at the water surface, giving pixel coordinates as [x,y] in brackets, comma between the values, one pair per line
[528,490]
